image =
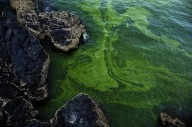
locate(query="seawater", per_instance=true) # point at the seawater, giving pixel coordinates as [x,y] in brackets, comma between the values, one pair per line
[136,62]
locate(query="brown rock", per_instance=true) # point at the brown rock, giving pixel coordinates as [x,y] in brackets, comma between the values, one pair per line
[64,30]
[168,121]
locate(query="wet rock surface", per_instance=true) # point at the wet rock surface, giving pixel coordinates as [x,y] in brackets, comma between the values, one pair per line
[18,111]
[63,29]
[81,111]
[167,120]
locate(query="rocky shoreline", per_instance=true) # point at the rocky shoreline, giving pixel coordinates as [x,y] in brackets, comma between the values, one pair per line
[24,67]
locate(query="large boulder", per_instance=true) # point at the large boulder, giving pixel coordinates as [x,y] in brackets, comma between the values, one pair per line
[81,111]
[168,121]
[63,29]
[18,111]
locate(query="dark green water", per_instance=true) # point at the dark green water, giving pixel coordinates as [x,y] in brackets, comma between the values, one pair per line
[137,61]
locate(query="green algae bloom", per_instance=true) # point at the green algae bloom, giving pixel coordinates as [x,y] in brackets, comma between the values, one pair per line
[135,63]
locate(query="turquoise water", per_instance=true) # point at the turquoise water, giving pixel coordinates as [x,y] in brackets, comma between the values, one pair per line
[136,63]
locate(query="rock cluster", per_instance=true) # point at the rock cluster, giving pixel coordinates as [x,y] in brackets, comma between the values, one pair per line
[63,29]
[24,66]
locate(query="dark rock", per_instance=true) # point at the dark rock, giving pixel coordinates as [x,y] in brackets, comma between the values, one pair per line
[29,60]
[63,29]
[18,112]
[6,81]
[4,1]
[1,13]
[1,113]
[30,64]
[81,111]
[166,120]
[36,123]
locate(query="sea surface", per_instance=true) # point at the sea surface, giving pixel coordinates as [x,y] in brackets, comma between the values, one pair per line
[136,63]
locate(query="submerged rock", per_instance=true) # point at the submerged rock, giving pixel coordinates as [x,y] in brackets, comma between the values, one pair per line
[63,29]
[168,121]
[81,111]
[18,111]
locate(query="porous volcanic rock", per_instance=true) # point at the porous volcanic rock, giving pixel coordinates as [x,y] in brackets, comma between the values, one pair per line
[168,121]
[63,29]
[18,111]
[81,111]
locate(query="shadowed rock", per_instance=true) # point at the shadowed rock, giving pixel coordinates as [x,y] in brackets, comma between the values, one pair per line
[169,121]
[30,63]
[81,111]
[29,60]
[36,123]
[1,113]
[18,112]
[6,81]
